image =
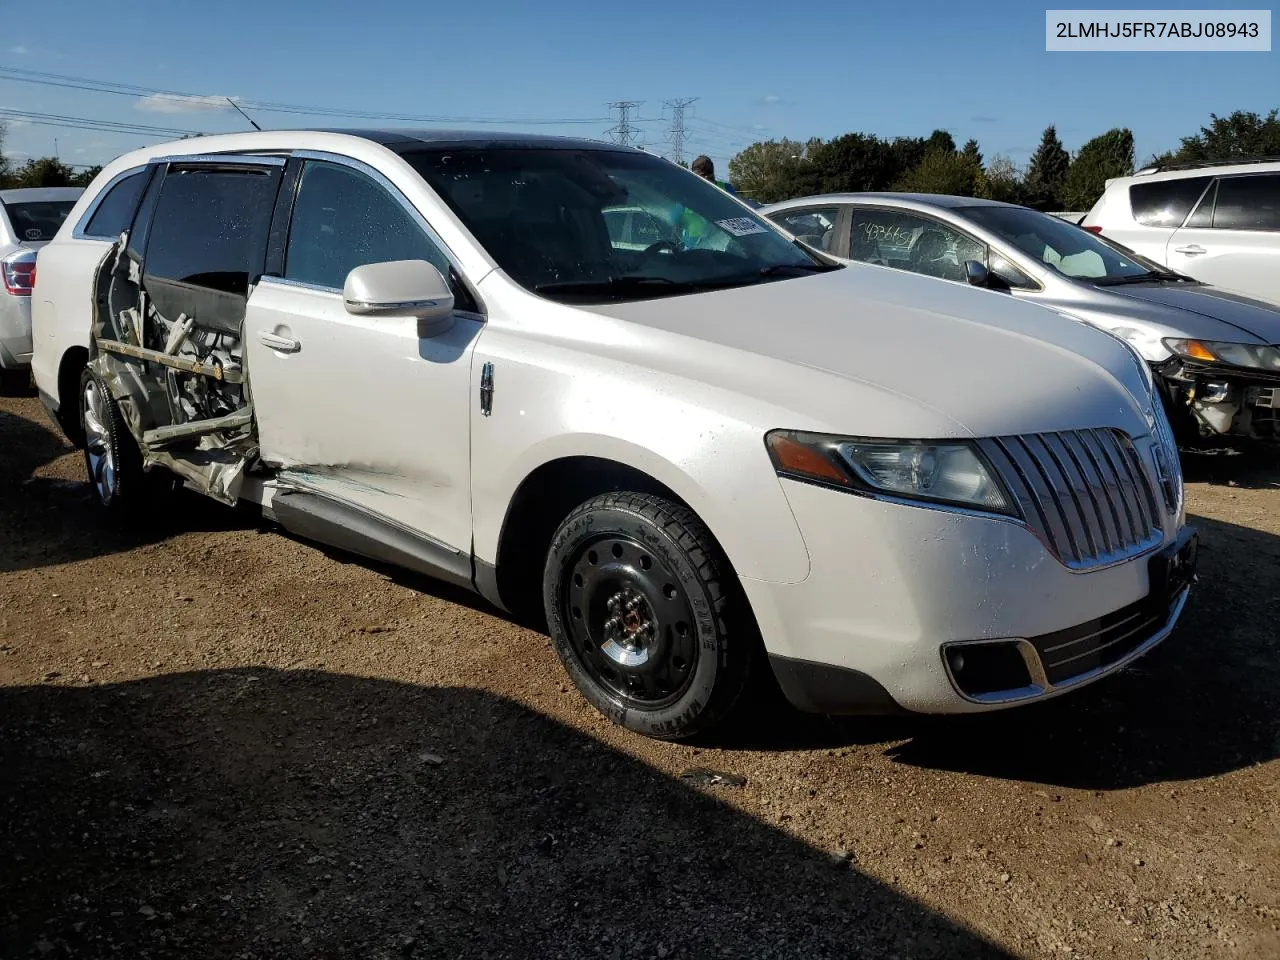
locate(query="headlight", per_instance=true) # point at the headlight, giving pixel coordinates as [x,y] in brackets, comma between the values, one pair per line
[947,472]
[1236,354]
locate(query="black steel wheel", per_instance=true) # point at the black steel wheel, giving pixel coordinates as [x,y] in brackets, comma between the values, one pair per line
[645,616]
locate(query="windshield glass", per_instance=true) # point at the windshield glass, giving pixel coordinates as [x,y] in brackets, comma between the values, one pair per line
[37,220]
[1072,251]
[604,225]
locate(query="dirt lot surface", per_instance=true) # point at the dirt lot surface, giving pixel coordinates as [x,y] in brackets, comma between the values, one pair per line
[218,742]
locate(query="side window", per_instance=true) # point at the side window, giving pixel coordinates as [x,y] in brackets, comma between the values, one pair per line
[342,219]
[912,242]
[210,228]
[115,211]
[1248,203]
[1203,215]
[1165,203]
[815,226]
[647,229]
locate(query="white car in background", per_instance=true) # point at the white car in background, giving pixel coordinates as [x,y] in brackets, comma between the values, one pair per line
[696,461]
[29,218]
[1219,223]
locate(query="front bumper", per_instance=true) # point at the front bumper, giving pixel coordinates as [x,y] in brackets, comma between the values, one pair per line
[1208,401]
[895,592]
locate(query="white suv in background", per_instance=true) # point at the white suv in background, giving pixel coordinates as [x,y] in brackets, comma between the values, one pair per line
[1218,223]
[428,348]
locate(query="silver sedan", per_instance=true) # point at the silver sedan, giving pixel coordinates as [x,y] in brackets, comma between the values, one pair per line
[28,220]
[1215,353]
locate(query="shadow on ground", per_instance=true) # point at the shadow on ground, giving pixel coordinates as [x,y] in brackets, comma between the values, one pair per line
[255,813]
[1251,468]
[1204,703]
[46,521]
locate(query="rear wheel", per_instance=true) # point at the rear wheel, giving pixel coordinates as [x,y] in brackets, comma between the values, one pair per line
[111,456]
[645,615]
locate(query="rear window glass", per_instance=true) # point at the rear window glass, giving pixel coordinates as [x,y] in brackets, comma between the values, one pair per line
[1165,203]
[210,228]
[115,211]
[34,221]
[1248,203]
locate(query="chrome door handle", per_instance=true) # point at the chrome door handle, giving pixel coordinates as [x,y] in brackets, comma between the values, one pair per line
[1191,250]
[276,342]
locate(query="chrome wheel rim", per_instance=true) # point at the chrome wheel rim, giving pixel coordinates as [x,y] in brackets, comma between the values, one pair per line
[99,454]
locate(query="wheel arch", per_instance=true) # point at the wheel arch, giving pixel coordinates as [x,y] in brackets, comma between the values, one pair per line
[73,362]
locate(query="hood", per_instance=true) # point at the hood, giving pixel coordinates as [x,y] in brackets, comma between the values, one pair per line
[1201,312]
[985,363]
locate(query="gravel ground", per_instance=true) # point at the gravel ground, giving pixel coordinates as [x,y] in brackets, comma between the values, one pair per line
[217,742]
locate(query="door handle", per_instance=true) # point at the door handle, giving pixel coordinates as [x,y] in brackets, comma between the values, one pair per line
[1191,250]
[276,342]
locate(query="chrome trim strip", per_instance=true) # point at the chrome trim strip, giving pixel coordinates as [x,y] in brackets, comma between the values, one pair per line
[234,159]
[1097,633]
[1034,692]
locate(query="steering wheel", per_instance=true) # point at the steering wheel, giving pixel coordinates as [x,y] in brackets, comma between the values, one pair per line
[662,244]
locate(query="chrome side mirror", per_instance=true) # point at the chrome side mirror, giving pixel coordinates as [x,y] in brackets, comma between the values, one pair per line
[401,288]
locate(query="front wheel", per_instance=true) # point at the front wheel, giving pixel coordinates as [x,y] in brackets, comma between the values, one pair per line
[645,615]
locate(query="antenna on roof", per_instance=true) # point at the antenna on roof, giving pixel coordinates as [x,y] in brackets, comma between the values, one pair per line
[243,114]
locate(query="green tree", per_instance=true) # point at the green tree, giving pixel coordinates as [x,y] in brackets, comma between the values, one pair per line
[769,171]
[43,172]
[1047,172]
[1103,157]
[1001,180]
[970,150]
[940,142]
[85,176]
[1239,136]
[4,161]
[951,173]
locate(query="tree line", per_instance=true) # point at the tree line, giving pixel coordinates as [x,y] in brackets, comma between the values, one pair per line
[41,172]
[1053,178]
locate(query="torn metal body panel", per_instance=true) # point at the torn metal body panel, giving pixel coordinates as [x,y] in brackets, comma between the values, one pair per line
[179,383]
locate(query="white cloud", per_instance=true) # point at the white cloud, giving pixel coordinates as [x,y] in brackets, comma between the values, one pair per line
[176,103]
[20,50]
[772,98]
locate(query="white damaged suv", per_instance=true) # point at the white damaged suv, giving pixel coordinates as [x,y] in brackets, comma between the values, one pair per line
[712,453]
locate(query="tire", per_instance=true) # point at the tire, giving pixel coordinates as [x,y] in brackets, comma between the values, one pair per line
[112,459]
[646,615]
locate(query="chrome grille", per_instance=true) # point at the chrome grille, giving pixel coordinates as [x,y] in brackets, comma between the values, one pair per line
[1086,492]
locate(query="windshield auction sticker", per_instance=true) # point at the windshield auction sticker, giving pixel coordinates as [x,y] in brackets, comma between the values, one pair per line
[740,226]
[1241,31]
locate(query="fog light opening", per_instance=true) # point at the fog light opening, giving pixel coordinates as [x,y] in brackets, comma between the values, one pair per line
[982,669]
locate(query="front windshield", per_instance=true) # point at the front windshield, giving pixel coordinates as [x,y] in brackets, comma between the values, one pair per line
[1070,250]
[607,225]
[36,220]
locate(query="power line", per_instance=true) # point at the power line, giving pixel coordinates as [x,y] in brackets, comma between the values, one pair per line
[265,106]
[676,136]
[625,131]
[88,123]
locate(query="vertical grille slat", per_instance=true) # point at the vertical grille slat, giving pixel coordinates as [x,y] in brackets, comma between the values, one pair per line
[1108,513]
[1059,526]
[1118,486]
[1088,493]
[1066,488]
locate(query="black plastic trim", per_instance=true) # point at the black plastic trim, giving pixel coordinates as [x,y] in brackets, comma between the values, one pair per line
[823,688]
[486,583]
[357,531]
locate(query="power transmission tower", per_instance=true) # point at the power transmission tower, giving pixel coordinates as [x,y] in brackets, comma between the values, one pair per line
[676,135]
[624,132]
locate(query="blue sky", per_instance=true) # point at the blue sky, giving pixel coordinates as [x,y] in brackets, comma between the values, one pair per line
[760,70]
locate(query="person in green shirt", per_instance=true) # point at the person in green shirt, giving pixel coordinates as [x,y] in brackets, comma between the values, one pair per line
[694,229]
[704,168]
